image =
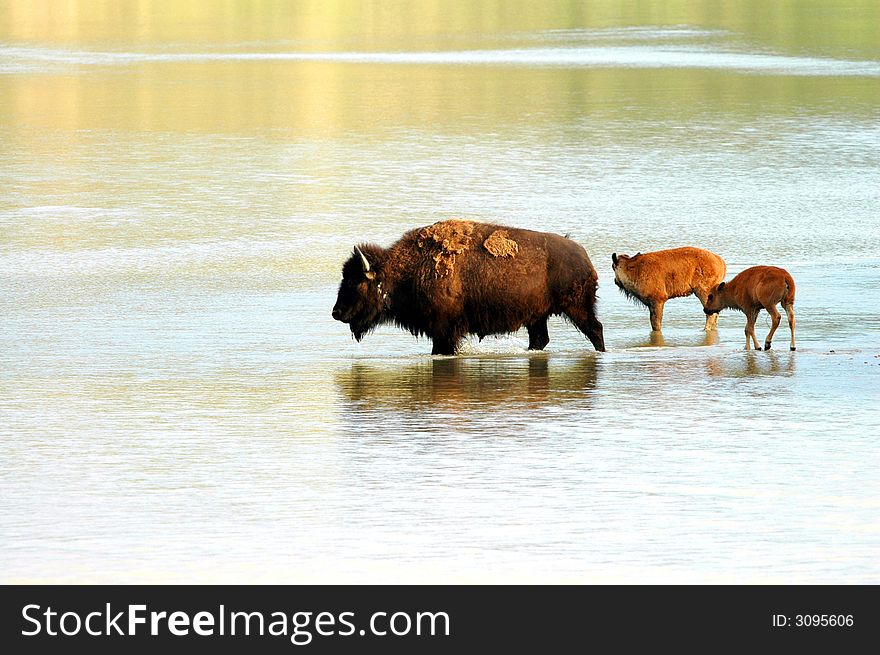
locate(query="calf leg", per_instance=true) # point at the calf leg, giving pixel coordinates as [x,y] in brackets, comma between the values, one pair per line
[711,319]
[656,309]
[751,317]
[711,322]
[789,311]
[538,336]
[775,316]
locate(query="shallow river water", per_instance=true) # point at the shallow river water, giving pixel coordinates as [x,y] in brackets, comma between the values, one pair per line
[180,184]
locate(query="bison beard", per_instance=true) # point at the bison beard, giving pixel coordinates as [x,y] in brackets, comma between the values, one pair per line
[455,278]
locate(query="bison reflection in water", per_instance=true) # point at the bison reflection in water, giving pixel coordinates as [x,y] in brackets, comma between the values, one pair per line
[455,278]
[473,386]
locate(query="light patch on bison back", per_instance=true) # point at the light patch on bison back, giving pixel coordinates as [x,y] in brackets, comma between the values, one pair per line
[499,244]
[445,240]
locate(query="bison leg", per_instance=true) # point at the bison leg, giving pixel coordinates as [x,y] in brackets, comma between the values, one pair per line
[711,319]
[443,345]
[538,336]
[656,309]
[789,311]
[751,318]
[445,338]
[585,321]
[775,316]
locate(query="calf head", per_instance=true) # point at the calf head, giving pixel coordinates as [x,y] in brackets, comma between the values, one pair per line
[361,298]
[714,302]
[619,264]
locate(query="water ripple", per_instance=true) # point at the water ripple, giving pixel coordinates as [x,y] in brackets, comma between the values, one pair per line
[24,59]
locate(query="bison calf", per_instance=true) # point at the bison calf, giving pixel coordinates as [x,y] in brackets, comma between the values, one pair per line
[652,278]
[756,288]
[456,277]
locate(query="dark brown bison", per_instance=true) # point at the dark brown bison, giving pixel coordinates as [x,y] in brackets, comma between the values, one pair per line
[757,288]
[652,278]
[457,277]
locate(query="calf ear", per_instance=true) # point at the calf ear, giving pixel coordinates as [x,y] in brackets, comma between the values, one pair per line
[721,286]
[614,258]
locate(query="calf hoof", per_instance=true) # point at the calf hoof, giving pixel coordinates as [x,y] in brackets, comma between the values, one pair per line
[792,349]
[757,347]
[766,345]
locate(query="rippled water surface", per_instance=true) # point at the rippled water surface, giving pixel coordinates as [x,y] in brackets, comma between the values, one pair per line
[180,184]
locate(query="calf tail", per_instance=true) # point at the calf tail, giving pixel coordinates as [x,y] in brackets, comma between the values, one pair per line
[788,295]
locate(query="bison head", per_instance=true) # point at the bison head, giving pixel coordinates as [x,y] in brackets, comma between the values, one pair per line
[713,300]
[616,261]
[361,297]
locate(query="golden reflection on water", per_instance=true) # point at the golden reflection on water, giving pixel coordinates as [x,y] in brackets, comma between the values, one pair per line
[322,99]
[329,23]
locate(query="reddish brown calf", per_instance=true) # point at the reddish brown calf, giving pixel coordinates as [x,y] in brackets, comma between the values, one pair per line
[652,278]
[756,288]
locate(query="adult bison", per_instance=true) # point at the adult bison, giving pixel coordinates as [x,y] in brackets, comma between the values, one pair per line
[457,277]
[652,278]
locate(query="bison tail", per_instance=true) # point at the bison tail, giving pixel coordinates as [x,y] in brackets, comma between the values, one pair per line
[588,296]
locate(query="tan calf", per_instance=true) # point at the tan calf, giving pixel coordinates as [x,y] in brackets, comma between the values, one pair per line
[756,288]
[652,278]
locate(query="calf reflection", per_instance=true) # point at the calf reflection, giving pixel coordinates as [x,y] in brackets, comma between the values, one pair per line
[657,340]
[773,363]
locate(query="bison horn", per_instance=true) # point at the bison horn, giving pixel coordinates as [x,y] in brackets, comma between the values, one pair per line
[363,260]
